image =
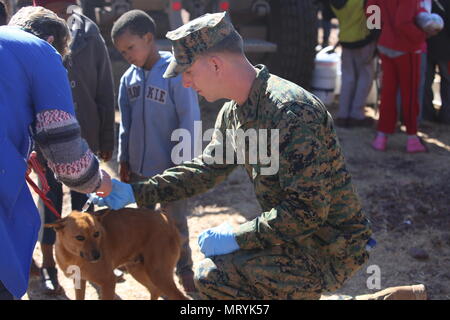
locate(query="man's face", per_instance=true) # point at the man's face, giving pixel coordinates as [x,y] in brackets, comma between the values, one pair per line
[201,77]
[60,8]
[135,49]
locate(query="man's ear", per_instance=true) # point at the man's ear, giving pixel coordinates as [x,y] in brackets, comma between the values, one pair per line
[216,64]
[50,39]
[57,225]
[149,37]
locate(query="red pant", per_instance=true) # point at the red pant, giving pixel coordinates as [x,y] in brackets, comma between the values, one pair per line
[403,72]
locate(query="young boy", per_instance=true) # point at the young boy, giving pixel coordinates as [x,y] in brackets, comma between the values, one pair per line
[151,109]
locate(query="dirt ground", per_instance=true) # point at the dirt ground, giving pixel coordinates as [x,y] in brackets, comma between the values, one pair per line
[405,196]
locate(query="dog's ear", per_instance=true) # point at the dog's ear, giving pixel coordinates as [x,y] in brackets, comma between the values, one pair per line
[101,214]
[57,225]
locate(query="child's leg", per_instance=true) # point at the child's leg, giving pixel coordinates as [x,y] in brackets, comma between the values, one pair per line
[428,111]
[49,235]
[409,73]
[390,83]
[421,86]
[365,70]
[348,83]
[444,71]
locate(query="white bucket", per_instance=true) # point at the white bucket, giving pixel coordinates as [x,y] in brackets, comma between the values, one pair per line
[325,76]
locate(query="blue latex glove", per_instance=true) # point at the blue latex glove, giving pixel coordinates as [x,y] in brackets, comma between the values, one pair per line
[217,241]
[120,196]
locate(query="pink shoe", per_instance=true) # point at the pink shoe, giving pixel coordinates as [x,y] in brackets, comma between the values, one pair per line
[414,145]
[380,143]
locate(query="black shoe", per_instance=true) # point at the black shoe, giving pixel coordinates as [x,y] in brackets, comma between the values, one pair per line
[49,278]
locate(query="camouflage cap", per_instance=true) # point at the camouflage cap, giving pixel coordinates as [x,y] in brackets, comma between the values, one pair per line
[194,38]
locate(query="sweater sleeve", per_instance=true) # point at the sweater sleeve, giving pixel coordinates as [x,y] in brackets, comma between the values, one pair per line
[56,130]
[58,136]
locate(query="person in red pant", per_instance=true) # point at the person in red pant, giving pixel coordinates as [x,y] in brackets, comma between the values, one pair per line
[400,46]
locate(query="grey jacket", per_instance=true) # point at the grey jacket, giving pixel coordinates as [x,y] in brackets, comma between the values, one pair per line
[91,79]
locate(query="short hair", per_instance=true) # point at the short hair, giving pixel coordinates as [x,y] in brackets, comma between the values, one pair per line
[233,43]
[137,22]
[43,23]
[3,15]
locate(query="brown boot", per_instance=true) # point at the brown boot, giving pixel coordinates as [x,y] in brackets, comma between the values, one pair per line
[417,292]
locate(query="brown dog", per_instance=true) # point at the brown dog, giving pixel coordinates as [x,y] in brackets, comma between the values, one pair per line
[146,242]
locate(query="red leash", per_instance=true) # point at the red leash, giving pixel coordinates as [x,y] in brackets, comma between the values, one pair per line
[34,164]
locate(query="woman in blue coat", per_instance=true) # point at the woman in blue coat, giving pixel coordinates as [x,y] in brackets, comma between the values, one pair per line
[35,106]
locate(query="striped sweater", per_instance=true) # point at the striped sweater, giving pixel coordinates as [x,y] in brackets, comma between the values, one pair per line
[58,136]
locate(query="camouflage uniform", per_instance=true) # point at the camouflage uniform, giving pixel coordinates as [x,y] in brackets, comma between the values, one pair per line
[312,233]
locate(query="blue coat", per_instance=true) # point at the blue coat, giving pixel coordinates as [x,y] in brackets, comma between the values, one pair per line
[32,79]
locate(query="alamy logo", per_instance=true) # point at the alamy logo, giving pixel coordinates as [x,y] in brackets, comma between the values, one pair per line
[73,272]
[374,281]
[374,20]
[253,147]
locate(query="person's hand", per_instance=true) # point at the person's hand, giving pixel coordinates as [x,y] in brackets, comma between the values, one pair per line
[105,155]
[106,186]
[120,196]
[217,241]
[431,31]
[124,171]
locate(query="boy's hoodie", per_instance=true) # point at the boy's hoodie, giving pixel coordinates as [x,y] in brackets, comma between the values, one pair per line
[152,108]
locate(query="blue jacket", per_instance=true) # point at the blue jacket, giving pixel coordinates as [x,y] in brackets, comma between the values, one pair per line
[32,79]
[151,109]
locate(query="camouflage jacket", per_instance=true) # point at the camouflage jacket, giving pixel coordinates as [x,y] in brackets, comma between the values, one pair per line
[309,201]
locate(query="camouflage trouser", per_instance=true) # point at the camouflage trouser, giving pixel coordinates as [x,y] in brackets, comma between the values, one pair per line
[177,210]
[276,273]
